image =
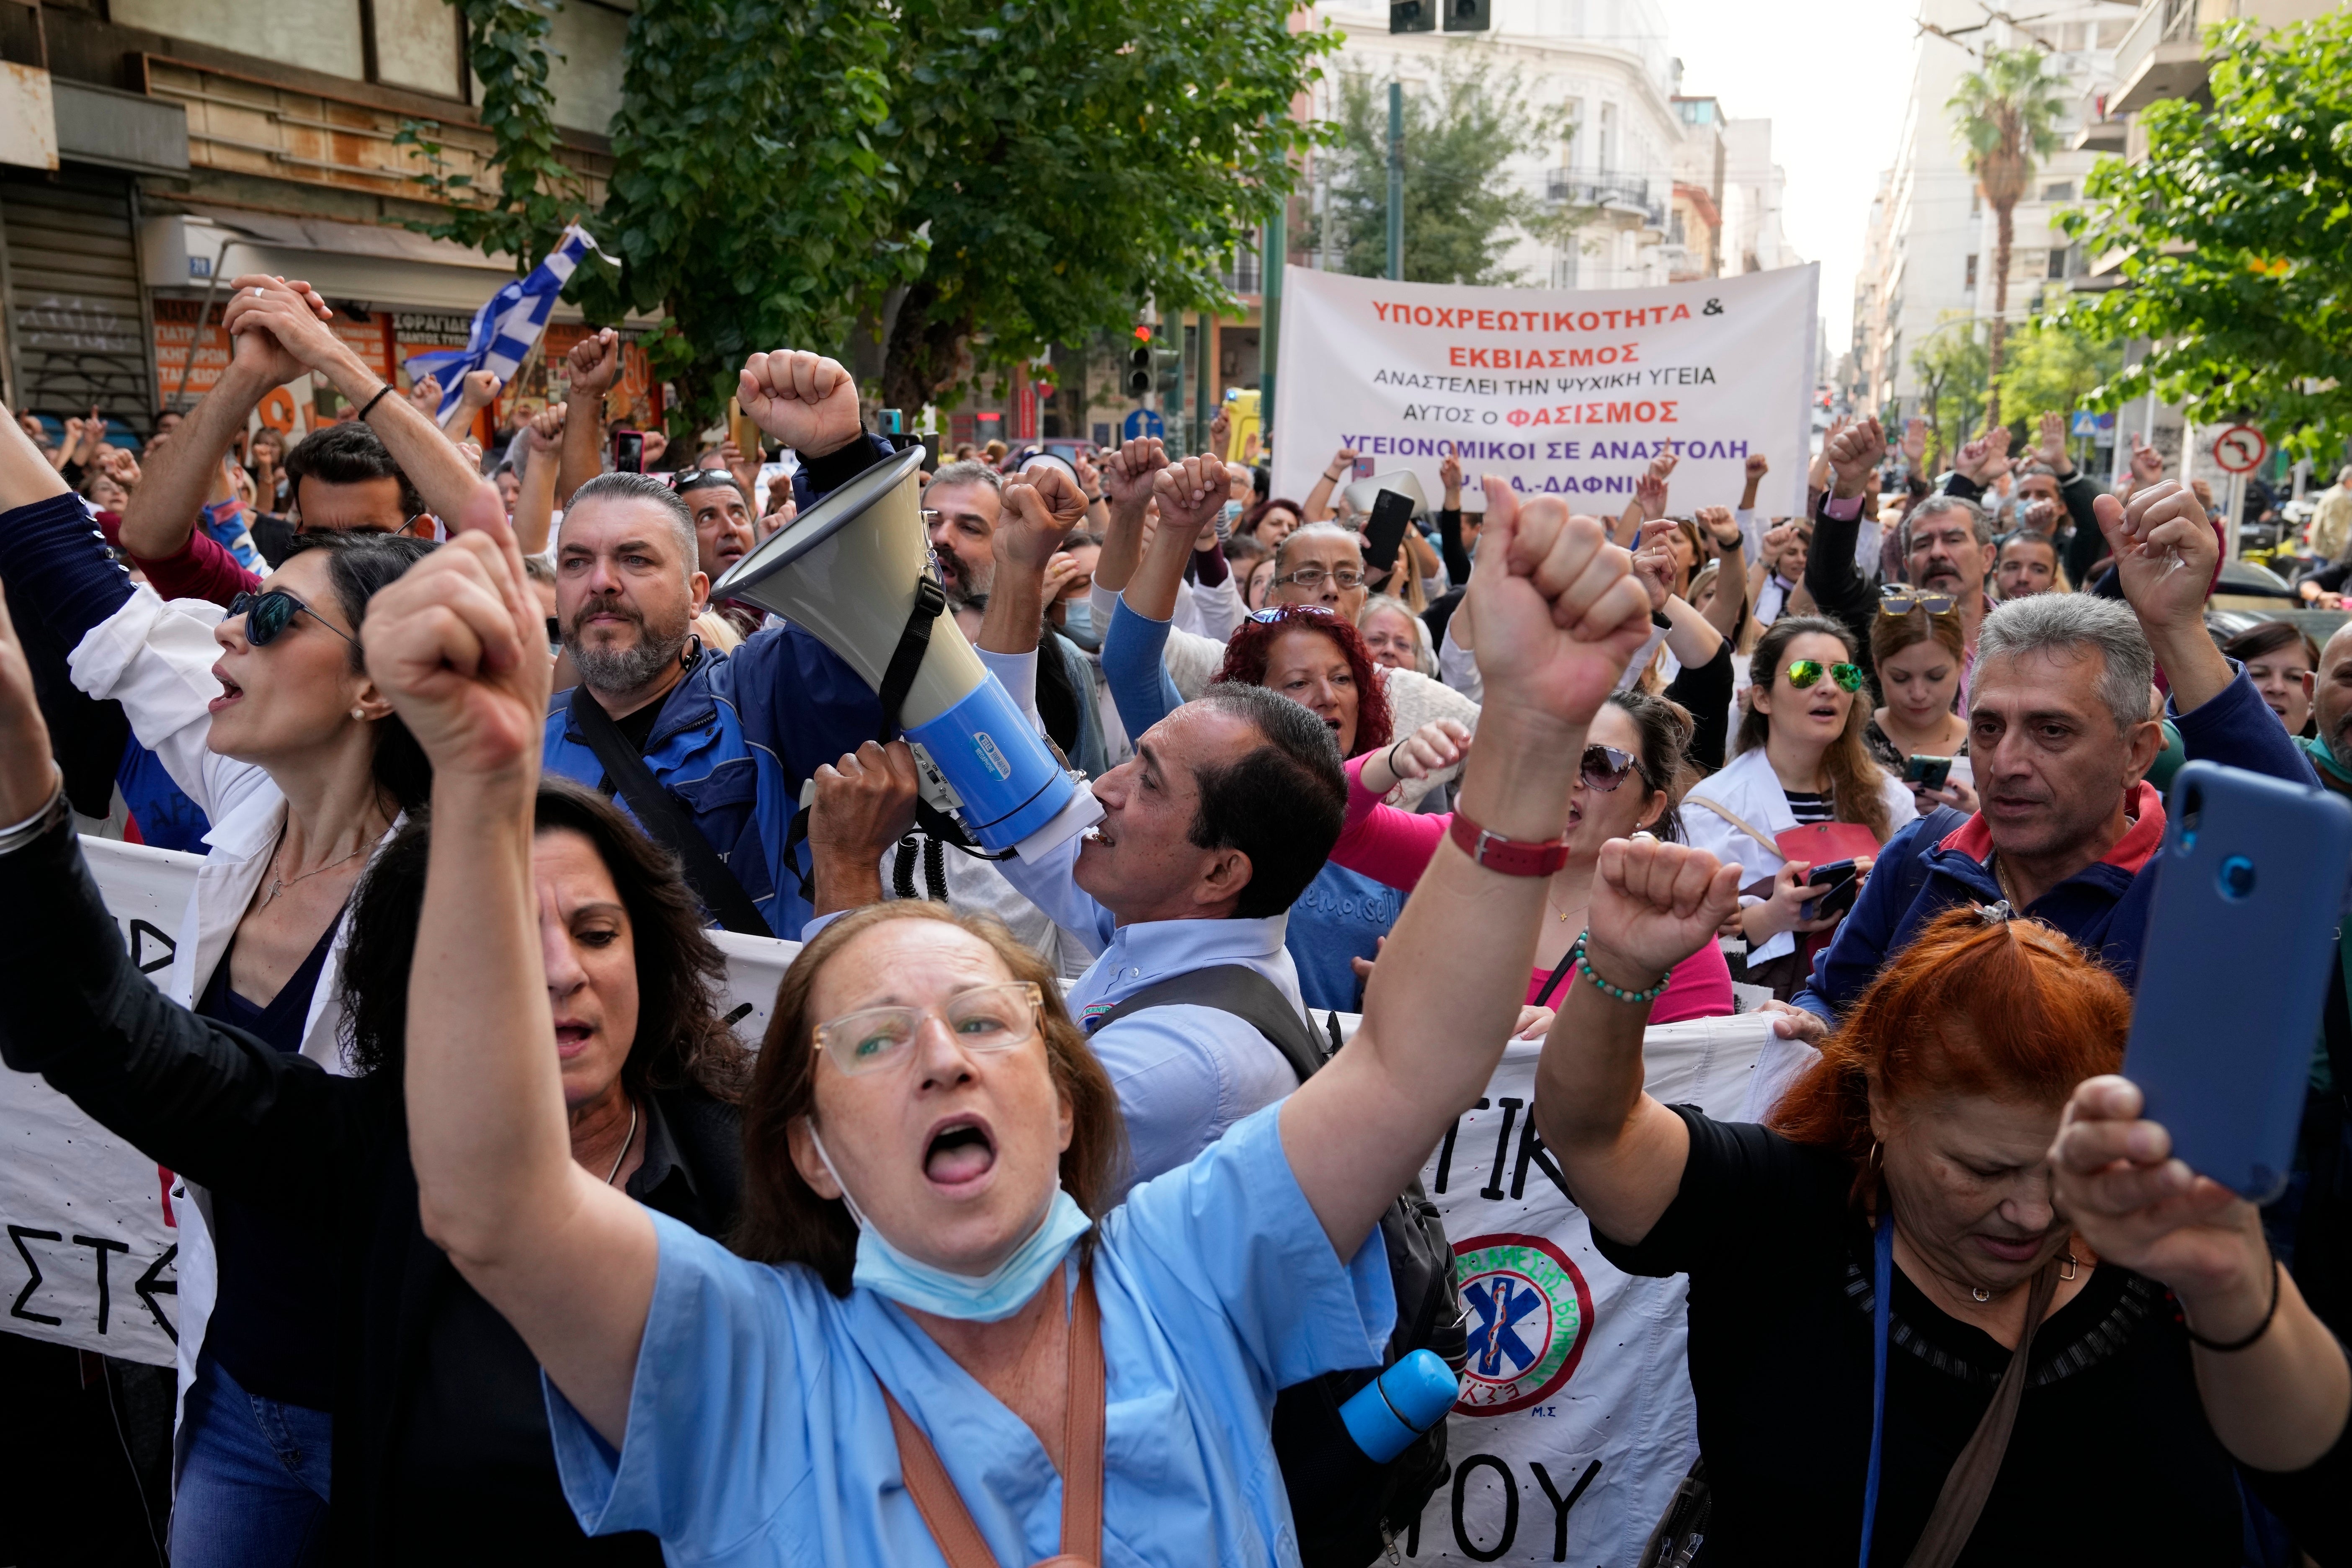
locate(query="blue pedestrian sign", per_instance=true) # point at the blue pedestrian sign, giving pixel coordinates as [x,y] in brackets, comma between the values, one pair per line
[1144,422]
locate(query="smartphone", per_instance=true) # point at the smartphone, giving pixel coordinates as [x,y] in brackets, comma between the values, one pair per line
[628,451]
[1392,515]
[743,430]
[1842,884]
[2234,969]
[1928,772]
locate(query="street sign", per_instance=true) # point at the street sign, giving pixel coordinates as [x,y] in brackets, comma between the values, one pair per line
[2089,424]
[1141,423]
[2239,450]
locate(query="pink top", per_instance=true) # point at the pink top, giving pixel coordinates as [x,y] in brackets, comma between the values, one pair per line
[200,569]
[1394,846]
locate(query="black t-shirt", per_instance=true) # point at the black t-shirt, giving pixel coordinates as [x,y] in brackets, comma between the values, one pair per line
[2110,1459]
[274,1315]
[637,727]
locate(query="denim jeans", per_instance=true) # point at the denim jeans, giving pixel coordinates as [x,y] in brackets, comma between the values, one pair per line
[253,1487]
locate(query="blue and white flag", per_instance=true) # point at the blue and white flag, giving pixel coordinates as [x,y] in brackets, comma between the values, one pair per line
[506,327]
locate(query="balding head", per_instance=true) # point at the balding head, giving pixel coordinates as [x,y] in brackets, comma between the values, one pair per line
[2331,694]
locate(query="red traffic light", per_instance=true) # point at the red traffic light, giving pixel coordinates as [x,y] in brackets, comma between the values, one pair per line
[1142,334]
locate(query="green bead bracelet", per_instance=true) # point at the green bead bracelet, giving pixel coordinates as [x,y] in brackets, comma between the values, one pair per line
[1639,998]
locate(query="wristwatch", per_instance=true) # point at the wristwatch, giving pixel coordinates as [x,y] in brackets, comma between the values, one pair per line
[1511,856]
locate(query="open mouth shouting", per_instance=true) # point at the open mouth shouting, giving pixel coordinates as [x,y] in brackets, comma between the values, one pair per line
[572,1037]
[230,691]
[959,1152]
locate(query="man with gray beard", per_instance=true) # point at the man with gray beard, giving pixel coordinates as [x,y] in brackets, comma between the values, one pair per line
[707,749]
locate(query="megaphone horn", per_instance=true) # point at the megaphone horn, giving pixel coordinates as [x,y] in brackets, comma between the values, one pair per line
[854,572]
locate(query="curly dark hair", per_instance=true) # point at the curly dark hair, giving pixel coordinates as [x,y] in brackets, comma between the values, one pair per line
[1246,653]
[681,1039]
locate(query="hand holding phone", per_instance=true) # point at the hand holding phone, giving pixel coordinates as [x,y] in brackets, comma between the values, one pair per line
[628,451]
[1392,515]
[1842,883]
[1928,772]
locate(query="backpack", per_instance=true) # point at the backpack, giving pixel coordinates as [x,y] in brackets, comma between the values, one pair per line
[1347,1510]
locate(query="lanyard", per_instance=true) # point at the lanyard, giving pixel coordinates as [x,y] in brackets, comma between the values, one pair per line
[1883,1278]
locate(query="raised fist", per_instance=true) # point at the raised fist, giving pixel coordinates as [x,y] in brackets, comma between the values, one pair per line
[805,401]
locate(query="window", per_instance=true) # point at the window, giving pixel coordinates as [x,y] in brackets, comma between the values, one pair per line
[1563,269]
[2058,191]
[1976,203]
[2058,255]
[1675,229]
[1572,115]
[1608,154]
[1969,279]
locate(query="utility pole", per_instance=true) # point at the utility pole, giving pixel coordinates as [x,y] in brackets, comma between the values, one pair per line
[1396,180]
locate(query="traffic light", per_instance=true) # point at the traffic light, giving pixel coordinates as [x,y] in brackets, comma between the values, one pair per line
[1168,373]
[1413,16]
[1468,16]
[1139,364]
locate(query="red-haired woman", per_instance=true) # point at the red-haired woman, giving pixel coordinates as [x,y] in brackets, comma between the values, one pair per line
[1319,661]
[1953,1191]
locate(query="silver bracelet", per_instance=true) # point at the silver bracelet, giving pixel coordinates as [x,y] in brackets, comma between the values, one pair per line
[34,827]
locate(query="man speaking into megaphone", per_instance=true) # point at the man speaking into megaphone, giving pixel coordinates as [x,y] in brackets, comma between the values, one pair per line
[707,749]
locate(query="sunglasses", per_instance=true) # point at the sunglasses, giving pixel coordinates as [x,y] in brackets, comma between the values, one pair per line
[268,614]
[1803,672]
[1605,767]
[702,479]
[984,1018]
[1894,599]
[1275,613]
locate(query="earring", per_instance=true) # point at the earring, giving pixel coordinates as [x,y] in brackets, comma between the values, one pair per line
[358,712]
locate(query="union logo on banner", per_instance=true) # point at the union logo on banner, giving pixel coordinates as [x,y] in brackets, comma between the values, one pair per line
[1530,1313]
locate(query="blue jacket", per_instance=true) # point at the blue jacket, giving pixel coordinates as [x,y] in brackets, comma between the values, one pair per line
[738,735]
[1940,861]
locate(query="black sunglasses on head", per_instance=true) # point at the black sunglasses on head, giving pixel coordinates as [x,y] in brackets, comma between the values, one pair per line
[268,614]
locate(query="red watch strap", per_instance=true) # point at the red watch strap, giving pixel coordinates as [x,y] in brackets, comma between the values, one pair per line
[1511,856]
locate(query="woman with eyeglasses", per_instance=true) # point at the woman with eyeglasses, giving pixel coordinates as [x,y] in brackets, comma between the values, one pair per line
[432,1424]
[1798,758]
[1634,770]
[1918,654]
[268,721]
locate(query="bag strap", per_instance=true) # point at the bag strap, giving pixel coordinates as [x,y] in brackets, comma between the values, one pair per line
[906,659]
[1741,823]
[1084,1419]
[1559,974]
[1972,1474]
[1242,992]
[656,811]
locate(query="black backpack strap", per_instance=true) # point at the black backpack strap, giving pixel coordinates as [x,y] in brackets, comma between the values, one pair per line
[1247,995]
[1559,974]
[657,811]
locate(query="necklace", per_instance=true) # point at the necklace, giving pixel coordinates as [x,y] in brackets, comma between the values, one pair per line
[2068,1265]
[280,884]
[1564,915]
[621,1158]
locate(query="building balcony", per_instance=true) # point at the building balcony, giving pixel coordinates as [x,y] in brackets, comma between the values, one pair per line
[1621,196]
[2163,55]
[2104,128]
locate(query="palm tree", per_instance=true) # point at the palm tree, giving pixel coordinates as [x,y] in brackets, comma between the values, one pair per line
[2006,117]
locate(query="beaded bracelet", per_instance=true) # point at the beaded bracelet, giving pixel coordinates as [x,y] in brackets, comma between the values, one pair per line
[1639,998]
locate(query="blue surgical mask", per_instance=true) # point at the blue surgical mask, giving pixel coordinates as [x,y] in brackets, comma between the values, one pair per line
[971,1298]
[1079,624]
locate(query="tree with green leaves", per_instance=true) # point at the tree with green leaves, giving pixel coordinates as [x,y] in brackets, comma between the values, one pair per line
[2006,117]
[987,177]
[1950,369]
[2235,238]
[2050,368]
[1462,212]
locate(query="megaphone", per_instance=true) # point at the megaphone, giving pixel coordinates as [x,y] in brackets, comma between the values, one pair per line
[1360,495]
[855,571]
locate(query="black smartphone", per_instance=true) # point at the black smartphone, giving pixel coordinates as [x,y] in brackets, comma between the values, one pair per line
[1842,884]
[1928,772]
[628,451]
[1392,515]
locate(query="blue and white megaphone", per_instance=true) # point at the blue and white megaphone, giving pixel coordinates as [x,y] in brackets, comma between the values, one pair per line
[855,571]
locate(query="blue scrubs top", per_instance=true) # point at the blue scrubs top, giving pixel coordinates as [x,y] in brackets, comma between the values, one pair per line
[757,1432]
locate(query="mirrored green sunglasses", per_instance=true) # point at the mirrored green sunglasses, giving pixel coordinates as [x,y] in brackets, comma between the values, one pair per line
[1803,672]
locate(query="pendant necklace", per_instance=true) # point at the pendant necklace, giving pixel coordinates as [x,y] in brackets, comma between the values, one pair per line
[280,884]
[623,1157]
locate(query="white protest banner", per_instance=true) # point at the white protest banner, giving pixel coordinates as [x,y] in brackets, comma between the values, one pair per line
[91,1221]
[1576,1421]
[1562,393]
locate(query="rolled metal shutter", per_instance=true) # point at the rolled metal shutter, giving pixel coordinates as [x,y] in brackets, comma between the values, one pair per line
[77,332]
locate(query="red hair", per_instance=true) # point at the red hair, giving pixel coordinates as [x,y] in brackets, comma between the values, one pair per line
[1247,654]
[2010,1009]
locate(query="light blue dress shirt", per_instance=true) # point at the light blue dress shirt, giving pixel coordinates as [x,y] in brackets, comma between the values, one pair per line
[757,1432]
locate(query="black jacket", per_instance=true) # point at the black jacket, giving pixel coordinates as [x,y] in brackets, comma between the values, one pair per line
[442,1452]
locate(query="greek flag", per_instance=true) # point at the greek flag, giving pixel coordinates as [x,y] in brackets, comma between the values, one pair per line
[506,327]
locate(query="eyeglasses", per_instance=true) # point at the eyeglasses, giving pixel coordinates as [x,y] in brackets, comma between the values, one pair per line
[268,614]
[984,1018]
[1274,614]
[1803,672]
[1313,576]
[1605,767]
[1894,599]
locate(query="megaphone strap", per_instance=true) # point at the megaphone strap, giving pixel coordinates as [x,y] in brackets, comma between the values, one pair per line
[906,659]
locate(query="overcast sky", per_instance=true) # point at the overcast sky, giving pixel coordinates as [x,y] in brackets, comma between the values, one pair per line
[1833,80]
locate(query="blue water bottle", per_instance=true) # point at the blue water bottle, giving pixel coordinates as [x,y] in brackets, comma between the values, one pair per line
[1386,1414]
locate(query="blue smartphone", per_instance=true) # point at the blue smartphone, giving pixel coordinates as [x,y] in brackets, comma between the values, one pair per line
[2234,969]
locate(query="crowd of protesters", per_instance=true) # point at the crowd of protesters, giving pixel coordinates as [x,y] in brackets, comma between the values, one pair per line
[502,1246]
